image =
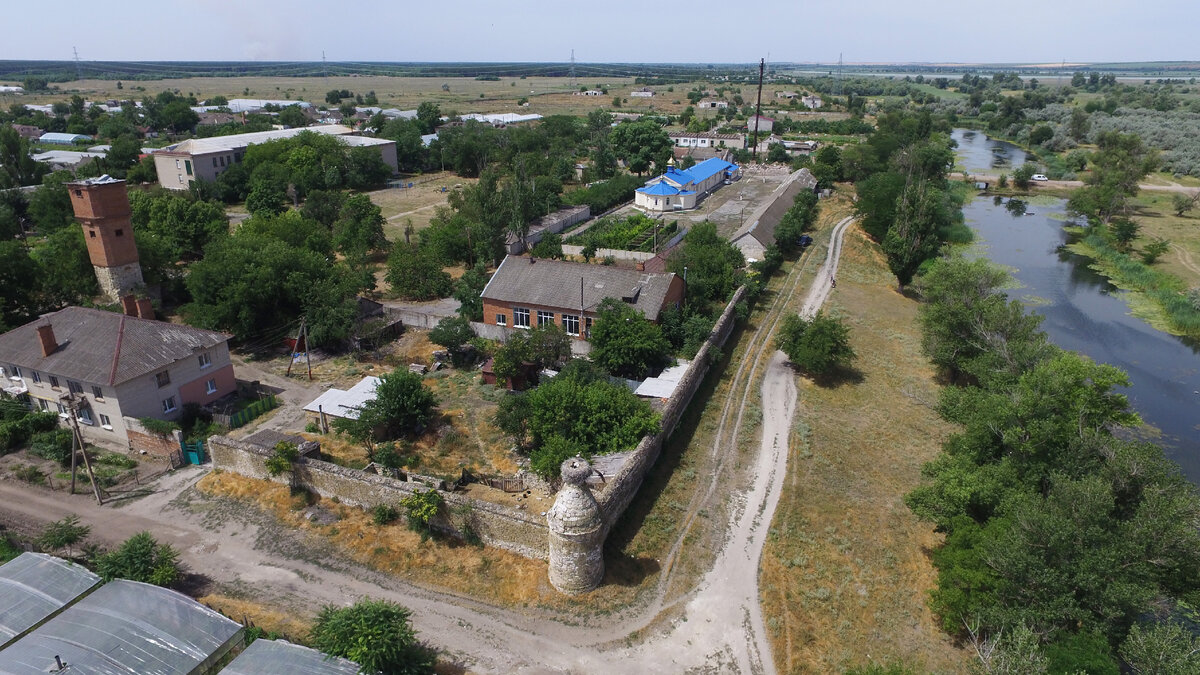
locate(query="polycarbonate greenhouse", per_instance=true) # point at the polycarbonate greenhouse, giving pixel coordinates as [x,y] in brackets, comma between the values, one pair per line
[126,627]
[277,657]
[35,586]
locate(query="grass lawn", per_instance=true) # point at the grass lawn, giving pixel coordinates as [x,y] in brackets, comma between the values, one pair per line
[846,567]
[1157,218]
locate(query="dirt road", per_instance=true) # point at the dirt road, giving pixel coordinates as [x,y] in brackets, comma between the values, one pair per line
[1173,187]
[718,627]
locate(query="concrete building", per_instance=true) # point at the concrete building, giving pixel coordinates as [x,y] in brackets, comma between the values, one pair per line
[758,232]
[712,105]
[528,292]
[707,139]
[644,92]
[114,369]
[680,190]
[66,159]
[102,206]
[812,101]
[249,105]
[206,158]
[786,94]
[26,131]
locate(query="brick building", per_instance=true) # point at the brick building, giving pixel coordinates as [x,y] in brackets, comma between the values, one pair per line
[528,292]
[102,206]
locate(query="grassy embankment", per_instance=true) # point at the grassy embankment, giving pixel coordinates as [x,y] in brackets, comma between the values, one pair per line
[846,567]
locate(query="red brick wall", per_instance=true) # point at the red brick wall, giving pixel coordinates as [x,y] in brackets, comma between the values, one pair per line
[155,445]
[492,307]
[104,210]
[194,391]
[106,200]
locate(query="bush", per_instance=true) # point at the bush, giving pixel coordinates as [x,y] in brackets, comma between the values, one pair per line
[312,428]
[375,634]
[384,514]
[53,445]
[816,346]
[29,474]
[141,558]
[421,508]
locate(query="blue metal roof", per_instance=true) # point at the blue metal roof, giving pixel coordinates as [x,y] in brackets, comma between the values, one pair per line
[659,188]
[709,167]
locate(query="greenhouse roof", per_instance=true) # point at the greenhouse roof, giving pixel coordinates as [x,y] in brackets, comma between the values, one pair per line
[277,657]
[126,627]
[35,586]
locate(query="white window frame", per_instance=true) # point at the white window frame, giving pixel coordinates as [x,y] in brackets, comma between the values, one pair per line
[545,318]
[520,313]
[74,387]
[570,321]
[205,360]
[85,416]
[210,387]
[54,382]
[16,372]
[168,405]
[97,392]
[37,377]
[105,422]
[501,320]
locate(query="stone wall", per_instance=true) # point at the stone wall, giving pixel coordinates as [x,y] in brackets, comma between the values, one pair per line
[500,526]
[623,486]
[614,253]
[141,440]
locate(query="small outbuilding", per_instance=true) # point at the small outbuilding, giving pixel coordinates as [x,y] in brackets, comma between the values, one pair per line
[342,403]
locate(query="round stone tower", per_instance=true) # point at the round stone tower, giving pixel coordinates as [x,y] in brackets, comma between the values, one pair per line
[576,532]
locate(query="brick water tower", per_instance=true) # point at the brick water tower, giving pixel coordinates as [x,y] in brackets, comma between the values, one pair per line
[102,206]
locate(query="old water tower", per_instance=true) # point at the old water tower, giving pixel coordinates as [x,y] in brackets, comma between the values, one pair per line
[102,207]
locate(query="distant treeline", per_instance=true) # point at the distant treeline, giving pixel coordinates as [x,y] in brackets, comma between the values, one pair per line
[65,71]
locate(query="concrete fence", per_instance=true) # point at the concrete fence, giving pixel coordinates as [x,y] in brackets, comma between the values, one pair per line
[614,253]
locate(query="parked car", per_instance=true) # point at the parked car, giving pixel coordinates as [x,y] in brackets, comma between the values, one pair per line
[805,241]
[1039,177]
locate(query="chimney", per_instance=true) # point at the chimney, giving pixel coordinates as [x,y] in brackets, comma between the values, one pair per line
[145,310]
[46,336]
[641,266]
[129,305]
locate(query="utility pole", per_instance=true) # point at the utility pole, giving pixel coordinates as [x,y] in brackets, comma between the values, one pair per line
[295,347]
[77,440]
[324,64]
[573,85]
[78,76]
[762,64]
[307,358]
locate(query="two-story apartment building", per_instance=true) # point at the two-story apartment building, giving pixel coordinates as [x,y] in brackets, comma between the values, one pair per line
[114,369]
[529,292]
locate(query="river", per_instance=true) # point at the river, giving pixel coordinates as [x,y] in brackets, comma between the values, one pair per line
[976,153]
[1084,313]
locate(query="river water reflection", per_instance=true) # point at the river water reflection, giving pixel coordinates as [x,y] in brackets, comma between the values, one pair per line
[976,153]
[1084,313]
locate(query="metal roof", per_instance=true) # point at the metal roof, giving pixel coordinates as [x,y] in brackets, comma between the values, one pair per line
[277,657]
[345,403]
[665,384]
[200,146]
[101,347]
[61,137]
[34,586]
[762,223]
[663,188]
[708,168]
[559,284]
[126,627]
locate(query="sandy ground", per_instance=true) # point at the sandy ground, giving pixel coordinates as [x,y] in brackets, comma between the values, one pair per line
[718,627]
[1172,187]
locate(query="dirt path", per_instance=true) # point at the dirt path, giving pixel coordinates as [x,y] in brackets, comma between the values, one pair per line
[719,625]
[1173,187]
[1185,258]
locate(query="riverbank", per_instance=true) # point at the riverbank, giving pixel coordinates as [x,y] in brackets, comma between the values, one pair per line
[845,570]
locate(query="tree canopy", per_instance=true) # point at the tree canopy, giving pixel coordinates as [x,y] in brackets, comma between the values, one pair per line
[375,634]
[624,343]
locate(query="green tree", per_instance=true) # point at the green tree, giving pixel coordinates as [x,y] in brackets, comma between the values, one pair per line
[19,277]
[415,274]
[50,205]
[428,116]
[712,266]
[122,156]
[187,225]
[816,346]
[375,634]
[67,275]
[912,239]
[402,404]
[283,459]
[1118,165]
[324,206]
[359,227]
[1161,649]
[643,144]
[452,333]
[1155,249]
[878,196]
[141,558]
[1182,204]
[778,154]
[468,291]
[293,116]
[1124,231]
[624,343]
[17,168]
[1022,175]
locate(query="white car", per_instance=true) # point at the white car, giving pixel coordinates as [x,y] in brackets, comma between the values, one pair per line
[1039,177]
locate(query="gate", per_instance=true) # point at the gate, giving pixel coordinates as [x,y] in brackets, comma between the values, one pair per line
[193,453]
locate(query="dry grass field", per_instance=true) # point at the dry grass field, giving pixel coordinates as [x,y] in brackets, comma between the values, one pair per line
[1157,217]
[846,568]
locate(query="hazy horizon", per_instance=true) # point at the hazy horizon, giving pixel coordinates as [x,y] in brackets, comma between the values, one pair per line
[863,32]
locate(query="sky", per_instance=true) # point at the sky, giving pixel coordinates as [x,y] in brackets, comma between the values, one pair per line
[609,31]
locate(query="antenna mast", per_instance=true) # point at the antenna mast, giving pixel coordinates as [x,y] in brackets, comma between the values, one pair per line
[324,64]
[762,64]
[78,76]
[573,85]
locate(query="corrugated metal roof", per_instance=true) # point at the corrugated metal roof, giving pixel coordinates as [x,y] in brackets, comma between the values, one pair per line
[277,657]
[125,627]
[709,167]
[34,586]
[762,222]
[663,188]
[104,347]
[556,283]
[61,137]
